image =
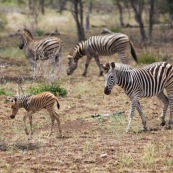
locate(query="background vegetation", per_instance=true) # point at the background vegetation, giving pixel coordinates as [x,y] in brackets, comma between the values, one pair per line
[91,143]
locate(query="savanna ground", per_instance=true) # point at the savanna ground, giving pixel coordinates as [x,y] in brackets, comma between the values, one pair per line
[90,144]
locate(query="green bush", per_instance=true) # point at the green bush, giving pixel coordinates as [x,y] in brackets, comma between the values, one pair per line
[147,58]
[116,29]
[39,32]
[55,89]
[3,21]
[2,92]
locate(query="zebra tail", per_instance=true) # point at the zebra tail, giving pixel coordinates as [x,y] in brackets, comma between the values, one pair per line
[133,52]
[58,105]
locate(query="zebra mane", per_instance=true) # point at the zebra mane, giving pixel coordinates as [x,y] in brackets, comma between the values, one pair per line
[28,33]
[118,66]
[77,47]
[21,98]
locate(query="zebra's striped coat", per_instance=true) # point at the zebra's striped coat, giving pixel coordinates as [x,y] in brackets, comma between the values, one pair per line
[34,103]
[143,82]
[104,45]
[47,48]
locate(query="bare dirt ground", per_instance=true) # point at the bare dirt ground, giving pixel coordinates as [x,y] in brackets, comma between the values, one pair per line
[90,145]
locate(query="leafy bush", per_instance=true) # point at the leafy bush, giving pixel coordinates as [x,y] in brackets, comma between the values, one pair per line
[39,32]
[3,21]
[2,92]
[116,29]
[55,89]
[147,58]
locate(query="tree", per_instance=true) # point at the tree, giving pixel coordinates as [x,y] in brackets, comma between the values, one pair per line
[138,9]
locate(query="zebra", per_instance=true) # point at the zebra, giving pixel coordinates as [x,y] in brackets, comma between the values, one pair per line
[95,46]
[47,48]
[34,103]
[142,82]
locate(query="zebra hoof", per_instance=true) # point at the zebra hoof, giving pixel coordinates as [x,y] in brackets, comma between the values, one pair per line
[84,75]
[163,123]
[101,73]
[168,127]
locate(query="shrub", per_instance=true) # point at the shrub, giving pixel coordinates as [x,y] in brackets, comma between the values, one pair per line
[55,89]
[116,29]
[39,32]
[2,92]
[3,21]
[147,59]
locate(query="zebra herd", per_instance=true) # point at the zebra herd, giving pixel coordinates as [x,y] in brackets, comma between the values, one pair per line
[136,82]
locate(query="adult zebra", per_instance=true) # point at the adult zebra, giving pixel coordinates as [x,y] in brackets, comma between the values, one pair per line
[143,82]
[34,103]
[47,48]
[95,46]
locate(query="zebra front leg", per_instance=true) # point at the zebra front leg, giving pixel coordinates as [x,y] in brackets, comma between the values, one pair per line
[139,109]
[133,106]
[30,122]
[88,60]
[34,66]
[24,123]
[99,65]
[123,57]
[165,101]
[59,61]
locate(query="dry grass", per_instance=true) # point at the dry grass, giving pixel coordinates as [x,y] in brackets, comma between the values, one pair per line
[90,145]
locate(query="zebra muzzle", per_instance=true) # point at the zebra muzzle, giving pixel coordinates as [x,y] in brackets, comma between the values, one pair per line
[107,91]
[12,116]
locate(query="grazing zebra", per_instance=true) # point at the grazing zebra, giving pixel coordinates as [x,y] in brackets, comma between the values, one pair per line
[34,103]
[143,82]
[47,48]
[104,45]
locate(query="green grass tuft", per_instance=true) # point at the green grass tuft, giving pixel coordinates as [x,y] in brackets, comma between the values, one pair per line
[55,89]
[147,59]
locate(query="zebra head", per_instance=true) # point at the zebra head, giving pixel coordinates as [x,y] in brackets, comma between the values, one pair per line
[15,107]
[72,65]
[24,35]
[110,77]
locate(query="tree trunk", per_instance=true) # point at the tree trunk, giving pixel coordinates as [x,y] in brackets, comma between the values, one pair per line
[78,16]
[120,12]
[42,6]
[138,16]
[88,11]
[151,14]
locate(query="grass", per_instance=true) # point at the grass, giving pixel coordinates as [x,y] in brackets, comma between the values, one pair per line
[147,58]
[55,89]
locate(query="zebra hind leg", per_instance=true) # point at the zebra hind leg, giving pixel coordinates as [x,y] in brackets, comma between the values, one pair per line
[165,101]
[52,124]
[170,97]
[99,65]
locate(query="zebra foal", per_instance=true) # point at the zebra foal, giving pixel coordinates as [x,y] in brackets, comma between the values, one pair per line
[34,103]
[104,45]
[47,48]
[143,82]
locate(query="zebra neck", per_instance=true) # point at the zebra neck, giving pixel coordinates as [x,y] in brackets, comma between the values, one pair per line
[123,78]
[79,52]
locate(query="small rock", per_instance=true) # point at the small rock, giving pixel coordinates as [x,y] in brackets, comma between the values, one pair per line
[103,155]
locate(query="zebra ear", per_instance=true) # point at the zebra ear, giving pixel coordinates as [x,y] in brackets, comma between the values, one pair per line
[15,99]
[113,65]
[106,67]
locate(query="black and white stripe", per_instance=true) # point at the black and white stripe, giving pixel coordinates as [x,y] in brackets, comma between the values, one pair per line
[34,103]
[47,48]
[143,82]
[104,45]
